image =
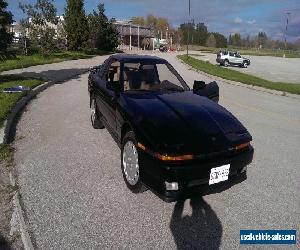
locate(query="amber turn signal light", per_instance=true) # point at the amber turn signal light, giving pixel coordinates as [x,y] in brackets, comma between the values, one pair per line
[242,146]
[174,158]
[166,157]
[141,146]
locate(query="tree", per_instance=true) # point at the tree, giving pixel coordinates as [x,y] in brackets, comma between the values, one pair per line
[40,22]
[262,39]
[103,34]
[6,19]
[236,39]
[138,20]
[76,25]
[187,30]
[151,21]
[211,41]
[247,42]
[221,41]
[230,40]
[201,34]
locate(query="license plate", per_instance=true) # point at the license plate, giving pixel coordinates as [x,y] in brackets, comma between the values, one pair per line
[219,174]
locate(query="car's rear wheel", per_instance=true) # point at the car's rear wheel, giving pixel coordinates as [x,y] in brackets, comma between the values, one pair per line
[130,163]
[95,115]
[226,63]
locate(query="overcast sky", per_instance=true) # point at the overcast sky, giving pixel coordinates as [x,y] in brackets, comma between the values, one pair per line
[247,17]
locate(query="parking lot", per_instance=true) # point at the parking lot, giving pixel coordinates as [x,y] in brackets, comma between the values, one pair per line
[275,69]
[74,195]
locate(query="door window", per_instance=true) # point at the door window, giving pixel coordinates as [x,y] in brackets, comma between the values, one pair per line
[113,74]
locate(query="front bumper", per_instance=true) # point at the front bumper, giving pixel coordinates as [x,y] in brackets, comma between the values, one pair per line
[191,175]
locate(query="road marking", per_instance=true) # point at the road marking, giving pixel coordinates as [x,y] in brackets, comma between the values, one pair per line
[262,111]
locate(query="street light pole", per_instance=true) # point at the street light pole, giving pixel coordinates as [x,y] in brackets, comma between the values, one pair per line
[130,37]
[188,40]
[286,28]
[138,37]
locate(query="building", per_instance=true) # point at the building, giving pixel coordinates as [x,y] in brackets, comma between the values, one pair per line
[132,35]
[19,31]
[16,29]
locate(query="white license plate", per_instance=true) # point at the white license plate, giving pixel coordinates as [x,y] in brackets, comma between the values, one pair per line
[219,174]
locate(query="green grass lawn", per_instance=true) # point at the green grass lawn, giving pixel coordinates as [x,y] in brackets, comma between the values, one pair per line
[233,75]
[8,101]
[37,59]
[5,152]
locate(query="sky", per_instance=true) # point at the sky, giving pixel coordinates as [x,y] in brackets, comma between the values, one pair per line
[248,17]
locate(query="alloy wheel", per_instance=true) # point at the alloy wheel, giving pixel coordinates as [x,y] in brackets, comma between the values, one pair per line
[130,163]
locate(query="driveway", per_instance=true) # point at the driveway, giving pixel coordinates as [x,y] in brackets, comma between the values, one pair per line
[74,195]
[275,69]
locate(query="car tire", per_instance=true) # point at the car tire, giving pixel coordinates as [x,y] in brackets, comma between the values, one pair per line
[95,115]
[226,63]
[245,64]
[130,163]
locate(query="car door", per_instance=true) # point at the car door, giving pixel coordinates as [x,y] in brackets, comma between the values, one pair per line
[109,97]
[231,58]
[239,59]
[98,88]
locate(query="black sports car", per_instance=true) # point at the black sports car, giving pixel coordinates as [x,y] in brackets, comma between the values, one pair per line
[173,140]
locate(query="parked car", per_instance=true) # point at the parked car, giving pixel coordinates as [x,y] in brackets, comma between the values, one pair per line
[225,58]
[173,139]
[163,48]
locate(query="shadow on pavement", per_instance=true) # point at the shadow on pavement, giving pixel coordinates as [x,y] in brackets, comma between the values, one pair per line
[54,75]
[201,230]
[4,244]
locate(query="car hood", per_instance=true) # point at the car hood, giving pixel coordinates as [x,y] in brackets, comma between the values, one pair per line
[184,122]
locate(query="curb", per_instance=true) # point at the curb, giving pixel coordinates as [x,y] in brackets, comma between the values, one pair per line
[17,221]
[253,87]
[6,132]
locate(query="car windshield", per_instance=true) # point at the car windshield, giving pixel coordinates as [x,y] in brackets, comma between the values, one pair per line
[151,77]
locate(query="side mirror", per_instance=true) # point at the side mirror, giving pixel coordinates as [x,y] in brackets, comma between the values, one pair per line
[198,85]
[210,90]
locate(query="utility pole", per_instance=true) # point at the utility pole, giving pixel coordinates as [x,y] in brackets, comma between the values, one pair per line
[286,28]
[188,40]
[138,37]
[130,37]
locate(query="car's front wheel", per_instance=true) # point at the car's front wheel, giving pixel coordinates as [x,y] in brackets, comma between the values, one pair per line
[130,163]
[245,64]
[95,115]
[226,63]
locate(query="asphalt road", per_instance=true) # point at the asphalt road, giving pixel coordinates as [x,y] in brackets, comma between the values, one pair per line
[275,69]
[75,197]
